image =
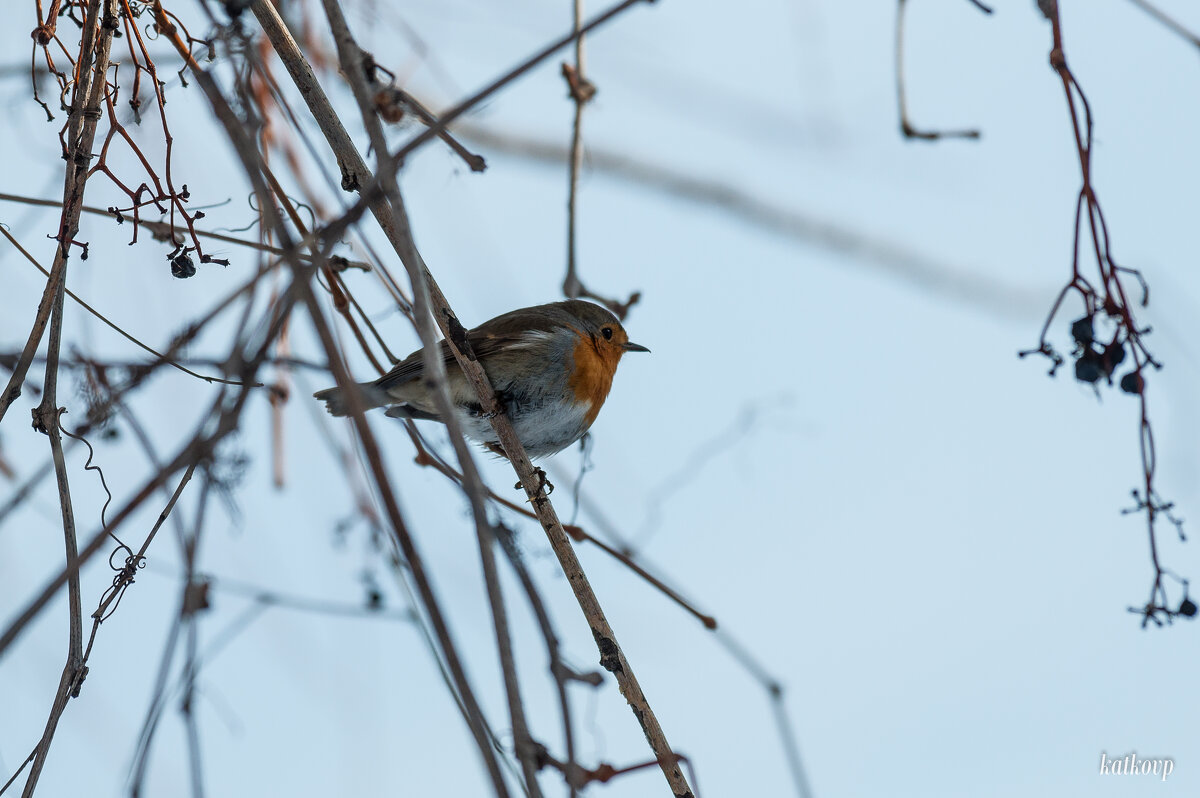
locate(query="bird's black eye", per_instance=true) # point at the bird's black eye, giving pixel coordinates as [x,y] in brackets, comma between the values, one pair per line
[606,332]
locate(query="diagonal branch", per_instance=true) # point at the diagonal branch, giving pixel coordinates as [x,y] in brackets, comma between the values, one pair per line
[355,66]
[91,69]
[301,285]
[396,228]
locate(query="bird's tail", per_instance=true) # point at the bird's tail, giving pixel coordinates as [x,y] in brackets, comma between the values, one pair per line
[337,405]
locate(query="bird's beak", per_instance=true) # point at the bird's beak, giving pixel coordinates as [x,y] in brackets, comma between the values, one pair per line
[630,346]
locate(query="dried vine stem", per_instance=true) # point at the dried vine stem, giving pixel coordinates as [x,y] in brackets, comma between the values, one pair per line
[371,191]
[906,127]
[90,85]
[581,91]
[90,82]
[222,418]
[46,418]
[115,327]
[301,285]
[1098,359]
[358,68]
[396,228]
[166,232]
[197,448]
[396,160]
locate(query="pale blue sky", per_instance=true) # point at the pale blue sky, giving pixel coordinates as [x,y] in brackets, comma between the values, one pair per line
[918,534]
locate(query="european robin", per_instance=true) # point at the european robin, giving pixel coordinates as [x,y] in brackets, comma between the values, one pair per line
[551,365]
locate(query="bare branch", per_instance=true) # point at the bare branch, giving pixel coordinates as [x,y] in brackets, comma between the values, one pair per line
[356,67]
[393,221]
[97,42]
[1168,21]
[251,164]
[973,287]
[81,127]
[113,326]
[906,127]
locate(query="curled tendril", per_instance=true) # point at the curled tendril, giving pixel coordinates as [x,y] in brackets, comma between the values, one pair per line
[89,466]
[252,201]
[112,556]
[120,583]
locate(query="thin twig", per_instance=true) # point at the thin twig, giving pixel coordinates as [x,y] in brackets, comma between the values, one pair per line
[220,420]
[46,418]
[972,287]
[612,657]
[250,160]
[397,159]
[581,91]
[558,669]
[775,694]
[354,64]
[97,42]
[81,134]
[1170,22]
[166,232]
[906,127]
[115,327]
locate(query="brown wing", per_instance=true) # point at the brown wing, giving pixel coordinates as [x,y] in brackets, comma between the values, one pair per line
[487,339]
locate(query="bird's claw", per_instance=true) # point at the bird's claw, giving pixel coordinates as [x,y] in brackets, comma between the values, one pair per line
[543,483]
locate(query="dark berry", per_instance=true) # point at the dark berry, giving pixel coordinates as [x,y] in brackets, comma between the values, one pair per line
[1082,331]
[1187,608]
[183,267]
[1132,383]
[1087,368]
[1114,353]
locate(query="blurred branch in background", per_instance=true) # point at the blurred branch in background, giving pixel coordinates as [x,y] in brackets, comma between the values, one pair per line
[1168,21]
[300,222]
[975,288]
[907,129]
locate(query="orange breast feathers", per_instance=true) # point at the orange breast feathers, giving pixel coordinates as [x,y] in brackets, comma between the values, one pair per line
[593,375]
